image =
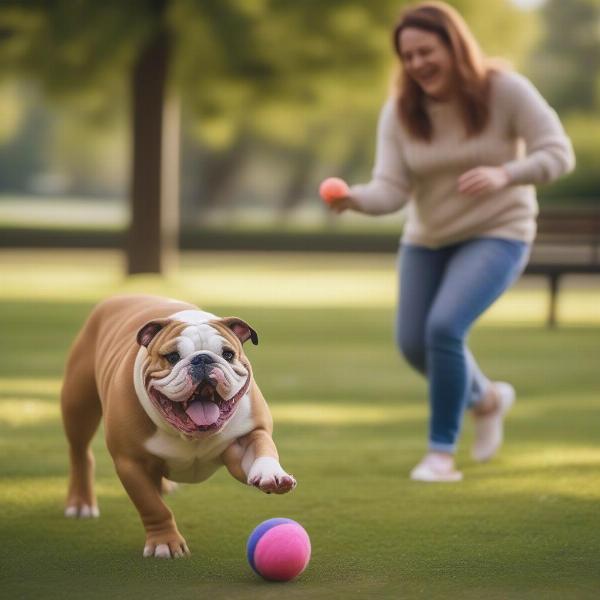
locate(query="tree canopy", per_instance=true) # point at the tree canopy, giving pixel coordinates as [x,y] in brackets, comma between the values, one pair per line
[567,61]
[307,76]
[235,63]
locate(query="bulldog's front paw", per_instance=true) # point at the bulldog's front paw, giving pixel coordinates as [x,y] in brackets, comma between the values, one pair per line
[166,546]
[267,475]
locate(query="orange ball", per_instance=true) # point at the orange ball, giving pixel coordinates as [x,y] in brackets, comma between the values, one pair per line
[333,188]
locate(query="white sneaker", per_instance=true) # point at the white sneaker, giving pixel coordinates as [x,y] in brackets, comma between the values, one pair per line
[489,428]
[433,469]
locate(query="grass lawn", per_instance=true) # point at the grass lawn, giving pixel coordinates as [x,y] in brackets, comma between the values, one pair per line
[350,422]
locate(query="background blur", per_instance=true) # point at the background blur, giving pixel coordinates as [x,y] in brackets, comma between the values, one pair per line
[274,96]
[262,99]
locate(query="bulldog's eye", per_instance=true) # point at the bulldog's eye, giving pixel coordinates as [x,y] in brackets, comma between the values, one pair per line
[173,357]
[228,355]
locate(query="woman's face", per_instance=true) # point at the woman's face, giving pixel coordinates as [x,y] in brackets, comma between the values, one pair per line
[428,61]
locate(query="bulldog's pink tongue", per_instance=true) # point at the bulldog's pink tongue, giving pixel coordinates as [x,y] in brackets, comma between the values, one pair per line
[203,413]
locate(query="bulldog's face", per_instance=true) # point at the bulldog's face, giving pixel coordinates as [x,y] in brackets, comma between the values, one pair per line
[195,374]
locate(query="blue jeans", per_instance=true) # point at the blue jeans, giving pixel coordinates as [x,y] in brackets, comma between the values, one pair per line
[442,292]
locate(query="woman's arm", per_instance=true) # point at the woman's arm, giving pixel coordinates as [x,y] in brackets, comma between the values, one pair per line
[548,149]
[389,189]
[549,153]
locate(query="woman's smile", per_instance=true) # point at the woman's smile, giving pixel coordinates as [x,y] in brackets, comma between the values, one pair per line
[428,61]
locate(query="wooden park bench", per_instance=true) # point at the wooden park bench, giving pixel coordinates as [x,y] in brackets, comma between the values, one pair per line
[567,242]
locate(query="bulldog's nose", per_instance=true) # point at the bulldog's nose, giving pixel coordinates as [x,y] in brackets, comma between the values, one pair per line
[201,359]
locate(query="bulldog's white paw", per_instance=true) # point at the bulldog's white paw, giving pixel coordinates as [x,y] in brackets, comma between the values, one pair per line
[267,475]
[161,551]
[174,549]
[83,511]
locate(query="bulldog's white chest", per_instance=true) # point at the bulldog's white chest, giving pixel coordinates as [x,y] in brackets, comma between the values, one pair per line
[191,461]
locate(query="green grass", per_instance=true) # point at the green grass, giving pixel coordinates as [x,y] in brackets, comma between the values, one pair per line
[350,423]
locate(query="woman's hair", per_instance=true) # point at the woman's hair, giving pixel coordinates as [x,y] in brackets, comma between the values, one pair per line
[470,70]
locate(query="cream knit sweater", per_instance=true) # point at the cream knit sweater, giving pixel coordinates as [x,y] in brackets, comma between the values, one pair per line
[524,135]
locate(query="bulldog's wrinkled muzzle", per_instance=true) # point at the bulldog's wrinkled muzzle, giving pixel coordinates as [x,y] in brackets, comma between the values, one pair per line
[207,407]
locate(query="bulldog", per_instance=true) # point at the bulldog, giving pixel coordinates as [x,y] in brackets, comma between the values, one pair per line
[178,399]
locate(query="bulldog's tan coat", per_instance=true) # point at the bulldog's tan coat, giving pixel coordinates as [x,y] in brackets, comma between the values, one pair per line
[120,367]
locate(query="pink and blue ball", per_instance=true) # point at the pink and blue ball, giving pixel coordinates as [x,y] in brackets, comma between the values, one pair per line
[278,549]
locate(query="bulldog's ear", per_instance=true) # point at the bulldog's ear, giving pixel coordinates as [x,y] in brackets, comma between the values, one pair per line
[241,329]
[148,332]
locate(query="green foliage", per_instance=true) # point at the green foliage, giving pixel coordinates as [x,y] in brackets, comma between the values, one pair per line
[566,65]
[279,68]
[71,45]
[28,141]
[11,111]
[583,185]
[501,29]
[301,81]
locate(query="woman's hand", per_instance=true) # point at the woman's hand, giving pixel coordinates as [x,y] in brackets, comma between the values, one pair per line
[483,180]
[339,205]
[335,192]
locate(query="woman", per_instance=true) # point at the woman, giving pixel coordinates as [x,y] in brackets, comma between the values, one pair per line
[461,144]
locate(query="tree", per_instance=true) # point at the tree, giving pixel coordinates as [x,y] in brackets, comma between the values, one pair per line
[225,54]
[77,48]
[242,67]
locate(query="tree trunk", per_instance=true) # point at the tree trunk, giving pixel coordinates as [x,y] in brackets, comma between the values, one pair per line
[153,231]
